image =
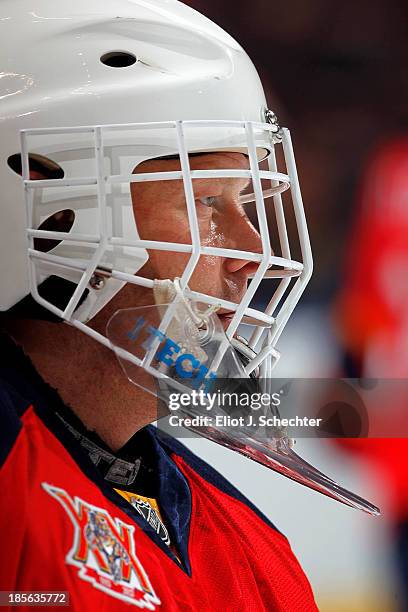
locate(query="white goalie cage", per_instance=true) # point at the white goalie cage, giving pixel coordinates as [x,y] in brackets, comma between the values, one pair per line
[98,163]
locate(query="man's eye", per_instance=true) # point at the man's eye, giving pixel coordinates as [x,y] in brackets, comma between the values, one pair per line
[209,201]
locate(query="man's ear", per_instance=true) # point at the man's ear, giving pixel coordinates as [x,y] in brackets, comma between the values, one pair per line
[37,176]
[40,167]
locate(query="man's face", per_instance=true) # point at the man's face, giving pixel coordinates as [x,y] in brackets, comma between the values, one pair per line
[161,214]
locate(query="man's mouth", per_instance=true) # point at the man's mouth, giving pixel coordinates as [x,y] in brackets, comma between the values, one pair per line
[225,317]
[226,313]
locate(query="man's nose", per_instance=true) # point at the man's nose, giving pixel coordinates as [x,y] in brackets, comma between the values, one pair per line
[244,237]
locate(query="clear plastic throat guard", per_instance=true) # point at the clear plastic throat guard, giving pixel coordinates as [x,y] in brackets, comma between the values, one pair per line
[180,350]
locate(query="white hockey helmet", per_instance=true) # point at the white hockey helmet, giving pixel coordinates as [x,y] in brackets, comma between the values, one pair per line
[144,78]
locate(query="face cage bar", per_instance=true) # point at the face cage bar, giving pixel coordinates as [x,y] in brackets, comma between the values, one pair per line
[279,183]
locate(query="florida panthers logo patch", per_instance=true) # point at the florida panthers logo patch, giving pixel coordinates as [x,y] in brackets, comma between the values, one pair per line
[104,552]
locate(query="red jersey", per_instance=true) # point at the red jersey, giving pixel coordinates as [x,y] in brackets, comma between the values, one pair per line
[66,527]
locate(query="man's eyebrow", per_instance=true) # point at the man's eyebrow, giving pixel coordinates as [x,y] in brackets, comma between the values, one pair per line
[176,156]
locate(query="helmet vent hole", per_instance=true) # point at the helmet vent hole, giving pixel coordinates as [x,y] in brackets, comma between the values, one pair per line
[118,59]
[61,221]
[40,167]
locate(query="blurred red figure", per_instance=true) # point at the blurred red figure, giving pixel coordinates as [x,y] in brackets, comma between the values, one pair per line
[372,307]
[372,315]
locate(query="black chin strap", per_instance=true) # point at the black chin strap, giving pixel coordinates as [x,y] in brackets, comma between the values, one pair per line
[54,289]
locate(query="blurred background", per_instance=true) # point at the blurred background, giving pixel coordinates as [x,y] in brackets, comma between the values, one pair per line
[335,73]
